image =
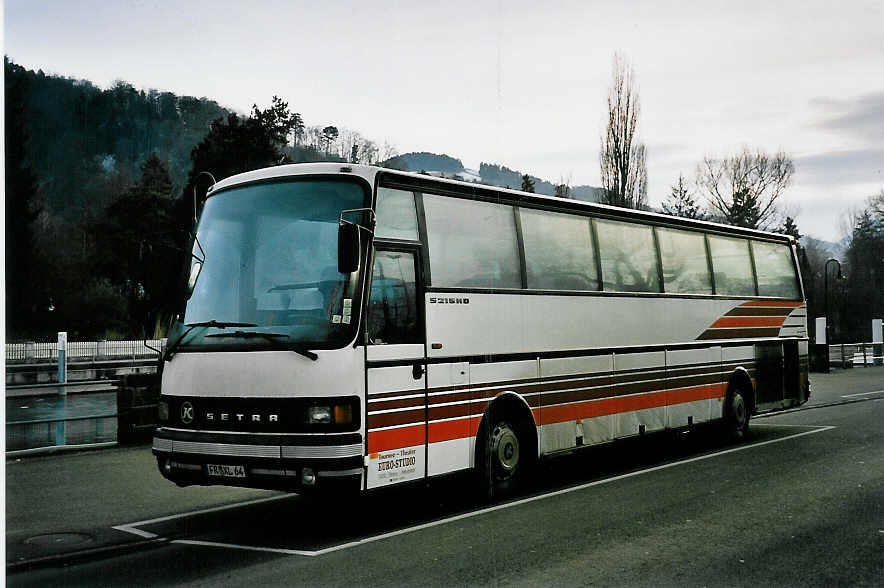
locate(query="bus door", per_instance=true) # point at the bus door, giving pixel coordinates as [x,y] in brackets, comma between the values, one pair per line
[396,384]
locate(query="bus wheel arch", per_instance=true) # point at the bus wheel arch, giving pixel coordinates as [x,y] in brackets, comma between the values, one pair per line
[506,445]
[739,405]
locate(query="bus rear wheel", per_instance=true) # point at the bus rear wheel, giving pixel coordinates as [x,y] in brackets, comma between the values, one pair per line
[736,415]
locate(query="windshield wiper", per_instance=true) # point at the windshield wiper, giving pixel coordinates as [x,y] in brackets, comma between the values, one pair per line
[219,324]
[269,336]
[170,350]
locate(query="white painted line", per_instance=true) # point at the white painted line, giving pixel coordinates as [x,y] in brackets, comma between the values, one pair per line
[131,527]
[247,547]
[490,509]
[862,394]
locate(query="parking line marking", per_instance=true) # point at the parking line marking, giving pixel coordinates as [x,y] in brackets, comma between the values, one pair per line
[246,547]
[131,527]
[862,394]
[451,519]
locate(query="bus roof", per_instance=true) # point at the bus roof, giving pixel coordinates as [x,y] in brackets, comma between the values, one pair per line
[422,182]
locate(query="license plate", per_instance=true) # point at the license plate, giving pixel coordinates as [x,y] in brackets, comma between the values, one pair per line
[226,471]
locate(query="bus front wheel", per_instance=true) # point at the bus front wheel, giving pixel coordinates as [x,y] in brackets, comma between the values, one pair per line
[506,458]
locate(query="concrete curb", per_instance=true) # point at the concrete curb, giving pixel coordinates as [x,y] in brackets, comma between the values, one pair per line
[812,407]
[84,555]
[37,451]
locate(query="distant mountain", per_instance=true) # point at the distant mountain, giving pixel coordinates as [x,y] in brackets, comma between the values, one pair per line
[498,175]
[488,173]
[423,161]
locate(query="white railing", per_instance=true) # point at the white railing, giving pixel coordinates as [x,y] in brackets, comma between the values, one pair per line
[856,354]
[79,351]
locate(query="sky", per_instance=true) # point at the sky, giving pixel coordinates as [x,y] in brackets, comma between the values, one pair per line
[522,84]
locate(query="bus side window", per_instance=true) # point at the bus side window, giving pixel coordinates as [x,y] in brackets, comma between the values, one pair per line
[392,304]
[732,266]
[775,270]
[628,256]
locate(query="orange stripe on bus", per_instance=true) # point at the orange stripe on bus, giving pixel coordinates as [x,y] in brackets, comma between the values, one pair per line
[608,406]
[457,429]
[395,438]
[748,321]
[772,303]
[548,415]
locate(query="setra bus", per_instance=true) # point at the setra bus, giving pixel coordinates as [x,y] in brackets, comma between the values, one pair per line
[347,325]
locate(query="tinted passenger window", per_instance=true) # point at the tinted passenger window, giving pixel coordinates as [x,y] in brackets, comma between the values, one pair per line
[775,270]
[396,215]
[732,266]
[629,259]
[558,251]
[471,244]
[392,305]
[685,267]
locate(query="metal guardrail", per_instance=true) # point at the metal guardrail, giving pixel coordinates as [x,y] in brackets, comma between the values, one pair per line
[59,432]
[856,354]
[33,352]
[123,413]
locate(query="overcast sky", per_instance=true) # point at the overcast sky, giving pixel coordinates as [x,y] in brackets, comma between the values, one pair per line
[522,84]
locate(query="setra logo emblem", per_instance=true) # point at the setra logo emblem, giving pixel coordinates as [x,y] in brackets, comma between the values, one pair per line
[186,413]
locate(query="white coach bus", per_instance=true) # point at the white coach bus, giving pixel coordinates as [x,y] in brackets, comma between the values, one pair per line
[357,326]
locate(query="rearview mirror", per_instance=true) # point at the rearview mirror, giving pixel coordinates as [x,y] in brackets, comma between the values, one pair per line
[348,248]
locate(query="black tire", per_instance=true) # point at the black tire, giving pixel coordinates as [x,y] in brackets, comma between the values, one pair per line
[506,457]
[736,414]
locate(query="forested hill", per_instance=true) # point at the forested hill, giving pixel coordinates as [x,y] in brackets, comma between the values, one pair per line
[503,176]
[423,161]
[80,135]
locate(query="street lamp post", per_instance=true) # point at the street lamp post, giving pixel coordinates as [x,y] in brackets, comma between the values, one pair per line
[826,303]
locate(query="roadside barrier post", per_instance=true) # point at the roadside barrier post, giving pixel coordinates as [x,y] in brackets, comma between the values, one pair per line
[62,376]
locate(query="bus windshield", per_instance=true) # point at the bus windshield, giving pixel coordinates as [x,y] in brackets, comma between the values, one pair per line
[270,277]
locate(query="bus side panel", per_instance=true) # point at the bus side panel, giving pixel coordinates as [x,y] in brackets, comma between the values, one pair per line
[695,386]
[640,384]
[485,323]
[452,424]
[583,381]
[396,426]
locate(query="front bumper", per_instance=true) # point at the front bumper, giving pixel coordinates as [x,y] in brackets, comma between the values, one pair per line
[284,461]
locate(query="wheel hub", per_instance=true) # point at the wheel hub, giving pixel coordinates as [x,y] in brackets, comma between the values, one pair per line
[505,449]
[739,407]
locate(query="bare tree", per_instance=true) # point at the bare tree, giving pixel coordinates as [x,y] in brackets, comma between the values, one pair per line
[622,157]
[745,187]
[369,152]
[388,151]
[563,188]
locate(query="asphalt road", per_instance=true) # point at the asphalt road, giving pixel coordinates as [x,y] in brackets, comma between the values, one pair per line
[799,504]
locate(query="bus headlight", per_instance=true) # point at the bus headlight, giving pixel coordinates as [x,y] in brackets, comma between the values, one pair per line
[319,415]
[338,414]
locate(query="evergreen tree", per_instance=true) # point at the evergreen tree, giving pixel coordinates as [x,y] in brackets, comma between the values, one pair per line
[139,228]
[527,184]
[865,271]
[681,202]
[329,136]
[24,291]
